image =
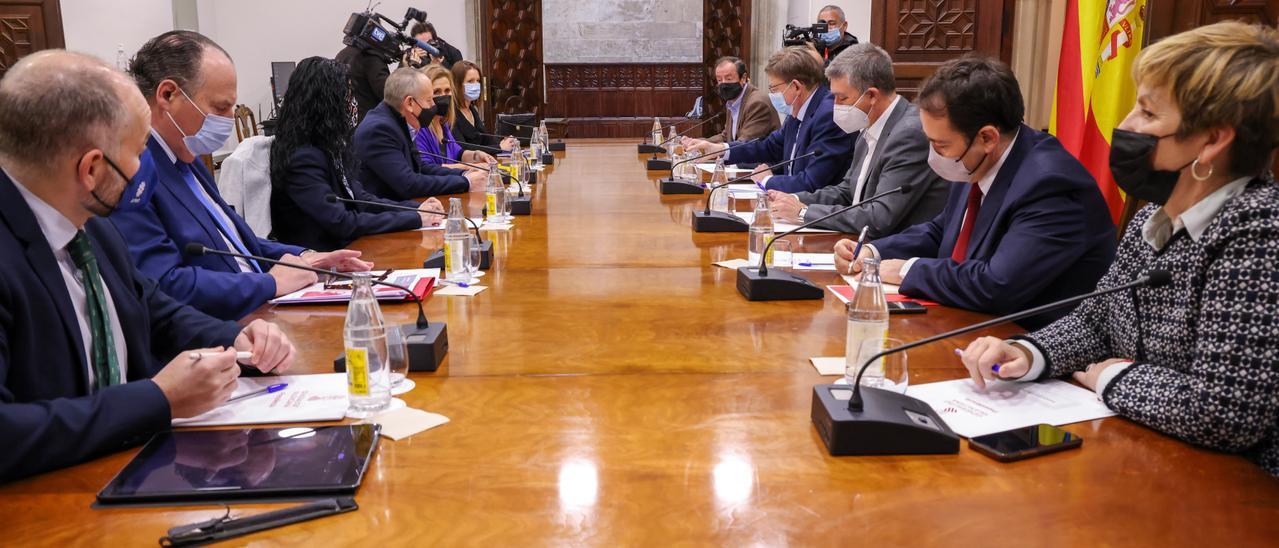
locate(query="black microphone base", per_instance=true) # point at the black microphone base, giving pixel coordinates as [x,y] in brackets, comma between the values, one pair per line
[427,347]
[659,164]
[678,186]
[548,158]
[557,146]
[520,205]
[776,285]
[888,424]
[718,221]
[644,148]
[436,260]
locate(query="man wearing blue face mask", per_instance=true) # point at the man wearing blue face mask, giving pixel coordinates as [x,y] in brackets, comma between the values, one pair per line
[85,336]
[189,83]
[836,38]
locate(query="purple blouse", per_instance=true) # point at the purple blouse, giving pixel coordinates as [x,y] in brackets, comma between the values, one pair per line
[426,142]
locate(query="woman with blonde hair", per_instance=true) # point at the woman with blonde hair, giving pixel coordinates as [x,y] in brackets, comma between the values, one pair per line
[435,141]
[1197,358]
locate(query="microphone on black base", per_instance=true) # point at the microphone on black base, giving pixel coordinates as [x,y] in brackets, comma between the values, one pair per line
[428,342]
[659,164]
[671,185]
[436,259]
[548,157]
[763,284]
[727,221]
[521,204]
[874,421]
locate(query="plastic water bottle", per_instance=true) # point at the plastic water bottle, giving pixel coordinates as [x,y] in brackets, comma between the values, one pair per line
[761,232]
[494,196]
[535,148]
[364,336]
[457,243]
[546,136]
[867,327]
[656,136]
[719,202]
[672,142]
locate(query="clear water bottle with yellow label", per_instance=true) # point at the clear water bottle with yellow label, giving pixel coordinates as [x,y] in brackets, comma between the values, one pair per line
[367,380]
[495,196]
[456,244]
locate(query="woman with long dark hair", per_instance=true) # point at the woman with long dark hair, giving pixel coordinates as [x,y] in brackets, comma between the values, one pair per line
[467,124]
[311,161]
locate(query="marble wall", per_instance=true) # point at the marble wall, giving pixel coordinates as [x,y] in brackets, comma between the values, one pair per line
[622,31]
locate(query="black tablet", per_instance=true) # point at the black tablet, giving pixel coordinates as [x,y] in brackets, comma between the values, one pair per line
[194,465]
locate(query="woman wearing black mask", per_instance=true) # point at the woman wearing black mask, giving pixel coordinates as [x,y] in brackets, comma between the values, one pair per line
[1197,358]
[311,162]
[435,140]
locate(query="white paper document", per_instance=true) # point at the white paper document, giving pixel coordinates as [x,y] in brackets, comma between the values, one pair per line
[889,289]
[780,227]
[829,366]
[733,263]
[307,398]
[454,290]
[814,261]
[420,280]
[744,188]
[731,170]
[971,411]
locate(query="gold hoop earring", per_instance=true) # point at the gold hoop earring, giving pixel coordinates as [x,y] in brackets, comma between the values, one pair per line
[1194,171]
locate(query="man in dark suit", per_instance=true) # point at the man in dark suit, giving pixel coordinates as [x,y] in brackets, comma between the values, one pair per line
[390,165]
[189,83]
[891,151]
[750,114]
[84,336]
[1028,226]
[795,77]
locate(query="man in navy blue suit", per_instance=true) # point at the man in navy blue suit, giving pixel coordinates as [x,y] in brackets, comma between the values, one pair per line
[1029,227]
[795,81]
[85,337]
[190,85]
[390,165]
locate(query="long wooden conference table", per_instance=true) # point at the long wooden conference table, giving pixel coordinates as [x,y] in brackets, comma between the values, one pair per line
[612,387]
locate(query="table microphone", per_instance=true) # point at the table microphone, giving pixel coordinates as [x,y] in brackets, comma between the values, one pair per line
[427,342]
[436,259]
[520,205]
[659,164]
[557,146]
[778,285]
[727,221]
[672,185]
[882,422]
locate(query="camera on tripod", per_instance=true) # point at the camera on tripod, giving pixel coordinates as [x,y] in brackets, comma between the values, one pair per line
[365,31]
[798,36]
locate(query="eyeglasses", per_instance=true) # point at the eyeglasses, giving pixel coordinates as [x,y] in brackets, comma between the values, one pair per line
[774,87]
[343,283]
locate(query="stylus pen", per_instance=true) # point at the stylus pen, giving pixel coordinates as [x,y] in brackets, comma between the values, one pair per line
[861,240]
[202,355]
[960,353]
[268,390]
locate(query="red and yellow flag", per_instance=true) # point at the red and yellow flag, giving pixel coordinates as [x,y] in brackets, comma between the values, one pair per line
[1095,89]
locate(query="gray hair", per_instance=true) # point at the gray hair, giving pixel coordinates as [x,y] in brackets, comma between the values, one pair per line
[833,8]
[402,83]
[54,103]
[864,66]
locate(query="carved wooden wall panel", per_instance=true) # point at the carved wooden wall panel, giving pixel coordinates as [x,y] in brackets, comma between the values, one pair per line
[27,26]
[922,34]
[621,100]
[1169,17]
[512,54]
[726,30]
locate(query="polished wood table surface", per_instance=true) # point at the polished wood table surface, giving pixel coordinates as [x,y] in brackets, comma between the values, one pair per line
[611,387]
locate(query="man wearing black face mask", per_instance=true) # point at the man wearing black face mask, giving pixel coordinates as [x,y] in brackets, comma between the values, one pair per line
[750,114]
[86,336]
[389,163]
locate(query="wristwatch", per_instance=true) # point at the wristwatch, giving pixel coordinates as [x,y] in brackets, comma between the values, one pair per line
[803,211]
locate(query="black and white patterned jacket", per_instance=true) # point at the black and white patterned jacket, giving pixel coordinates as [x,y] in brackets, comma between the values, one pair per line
[1206,346]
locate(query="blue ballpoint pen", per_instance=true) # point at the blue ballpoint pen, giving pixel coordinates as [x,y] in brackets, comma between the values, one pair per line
[960,353]
[268,390]
[861,240]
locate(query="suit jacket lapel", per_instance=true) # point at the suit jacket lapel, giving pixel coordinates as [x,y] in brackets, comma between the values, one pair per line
[23,222]
[172,182]
[993,203]
[877,161]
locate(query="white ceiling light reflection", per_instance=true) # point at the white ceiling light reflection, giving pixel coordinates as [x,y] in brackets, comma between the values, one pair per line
[579,484]
[734,478]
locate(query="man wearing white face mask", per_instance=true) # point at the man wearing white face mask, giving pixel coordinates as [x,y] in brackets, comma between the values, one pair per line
[892,151]
[190,86]
[1028,226]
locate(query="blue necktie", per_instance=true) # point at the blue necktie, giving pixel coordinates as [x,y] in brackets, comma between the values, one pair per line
[232,235]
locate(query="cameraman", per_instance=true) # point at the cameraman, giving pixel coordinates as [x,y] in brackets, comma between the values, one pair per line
[836,39]
[418,58]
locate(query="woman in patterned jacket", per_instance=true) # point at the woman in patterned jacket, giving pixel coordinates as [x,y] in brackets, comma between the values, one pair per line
[1198,358]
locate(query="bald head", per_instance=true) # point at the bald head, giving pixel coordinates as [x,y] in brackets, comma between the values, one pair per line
[56,104]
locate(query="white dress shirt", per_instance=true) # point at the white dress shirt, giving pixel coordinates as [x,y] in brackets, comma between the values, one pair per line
[59,231]
[871,138]
[735,112]
[173,159]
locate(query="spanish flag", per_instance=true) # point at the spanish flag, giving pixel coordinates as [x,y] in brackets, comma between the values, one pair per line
[1095,89]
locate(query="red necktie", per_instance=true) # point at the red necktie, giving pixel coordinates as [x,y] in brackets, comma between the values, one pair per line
[970,219]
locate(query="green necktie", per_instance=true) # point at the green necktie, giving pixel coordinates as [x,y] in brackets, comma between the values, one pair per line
[105,368]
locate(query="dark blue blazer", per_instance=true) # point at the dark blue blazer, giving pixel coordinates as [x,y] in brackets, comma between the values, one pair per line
[158,234]
[1043,234]
[389,163]
[817,132]
[48,418]
[302,214]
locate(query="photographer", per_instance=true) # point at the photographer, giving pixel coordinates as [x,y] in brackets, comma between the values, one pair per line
[418,58]
[836,38]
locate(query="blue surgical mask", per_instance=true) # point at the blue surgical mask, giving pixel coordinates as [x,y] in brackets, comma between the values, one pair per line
[779,103]
[472,90]
[212,134]
[139,188]
[831,36]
